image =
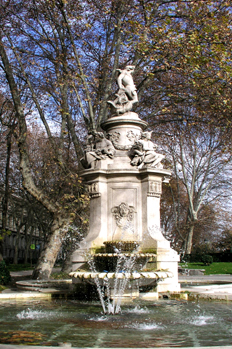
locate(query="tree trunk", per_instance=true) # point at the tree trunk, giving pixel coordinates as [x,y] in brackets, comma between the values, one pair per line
[189,241]
[67,264]
[27,243]
[6,195]
[16,245]
[49,254]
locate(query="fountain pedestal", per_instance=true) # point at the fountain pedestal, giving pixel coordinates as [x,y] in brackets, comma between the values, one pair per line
[125,190]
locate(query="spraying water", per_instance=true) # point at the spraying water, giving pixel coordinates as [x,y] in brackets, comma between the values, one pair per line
[110,294]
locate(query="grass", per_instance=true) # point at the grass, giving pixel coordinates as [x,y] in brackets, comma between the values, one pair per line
[214,268]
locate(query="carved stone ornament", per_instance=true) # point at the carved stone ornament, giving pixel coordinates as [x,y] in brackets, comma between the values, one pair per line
[114,138]
[126,95]
[154,188]
[133,137]
[123,213]
[93,190]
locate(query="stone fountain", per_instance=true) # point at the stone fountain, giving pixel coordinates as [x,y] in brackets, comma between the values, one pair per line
[124,175]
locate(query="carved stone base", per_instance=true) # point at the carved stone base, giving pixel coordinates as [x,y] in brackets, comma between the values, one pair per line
[125,198]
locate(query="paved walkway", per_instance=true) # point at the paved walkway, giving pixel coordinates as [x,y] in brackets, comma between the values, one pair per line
[23,273]
[208,286]
[194,279]
[15,293]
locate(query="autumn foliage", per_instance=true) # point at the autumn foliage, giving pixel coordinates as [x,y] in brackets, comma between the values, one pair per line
[59,60]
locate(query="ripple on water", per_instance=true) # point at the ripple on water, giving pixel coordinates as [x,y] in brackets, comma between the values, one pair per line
[99,318]
[146,326]
[34,314]
[138,310]
[202,320]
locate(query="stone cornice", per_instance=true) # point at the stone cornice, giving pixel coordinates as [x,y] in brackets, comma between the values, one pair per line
[129,118]
[119,172]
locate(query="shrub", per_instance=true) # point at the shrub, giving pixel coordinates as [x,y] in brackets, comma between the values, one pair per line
[4,274]
[60,276]
[207,259]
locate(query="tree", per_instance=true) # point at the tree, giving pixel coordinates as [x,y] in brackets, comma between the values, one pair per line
[222,238]
[59,61]
[59,222]
[173,212]
[56,76]
[8,127]
[201,163]
[190,45]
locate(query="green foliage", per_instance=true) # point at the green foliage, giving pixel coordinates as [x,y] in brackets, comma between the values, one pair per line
[4,274]
[60,276]
[2,288]
[207,259]
[3,233]
[19,267]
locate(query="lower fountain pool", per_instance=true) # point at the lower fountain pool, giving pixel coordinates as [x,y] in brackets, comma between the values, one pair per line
[163,323]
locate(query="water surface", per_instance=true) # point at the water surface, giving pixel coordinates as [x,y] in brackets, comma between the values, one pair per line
[155,324]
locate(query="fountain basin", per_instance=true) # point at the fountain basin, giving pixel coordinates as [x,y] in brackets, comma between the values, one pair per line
[163,323]
[46,286]
[121,271]
[120,285]
[134,275]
